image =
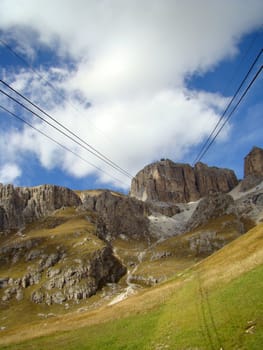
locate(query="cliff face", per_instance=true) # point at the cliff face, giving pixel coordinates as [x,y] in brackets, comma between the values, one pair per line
[211,207]
[253,169]
[167,181]
[212,179]
[253,165]
[56,268]
[118,215]
[20,205]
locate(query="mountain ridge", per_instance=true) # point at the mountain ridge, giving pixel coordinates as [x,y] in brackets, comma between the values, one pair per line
[70,256]
[67,248]
[180,183]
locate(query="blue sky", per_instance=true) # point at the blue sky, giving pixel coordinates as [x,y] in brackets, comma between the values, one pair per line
[140,81]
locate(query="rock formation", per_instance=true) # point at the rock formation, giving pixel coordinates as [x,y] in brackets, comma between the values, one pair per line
[211,207]
[68,264]
[212,179]
[253,169]
[79,280]
[253,165]
[118,215]
[250,205]
[167,181]
[57,276]
[20,205]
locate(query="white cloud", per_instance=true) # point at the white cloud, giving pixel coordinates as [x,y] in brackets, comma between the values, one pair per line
[132,60]
[140,129]
[9,173]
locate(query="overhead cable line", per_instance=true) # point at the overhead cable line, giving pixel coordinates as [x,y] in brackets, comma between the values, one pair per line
[33,70]
[8,47]
[199,156]
[233,110]
[60,144]
[124,172]
[92,150]
[62,96]
[67,129]
[241,60]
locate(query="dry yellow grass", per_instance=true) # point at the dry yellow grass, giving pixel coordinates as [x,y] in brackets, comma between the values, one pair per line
[237,257]
[227,264]
[140,303]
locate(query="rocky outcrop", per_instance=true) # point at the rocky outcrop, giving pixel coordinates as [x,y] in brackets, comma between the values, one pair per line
[118,215]
[167,209]
[253,165]
[211,207]
[212,179]
[20,205]
[54,274]
[167,181]
[80,280]
[250,206]
[253,169]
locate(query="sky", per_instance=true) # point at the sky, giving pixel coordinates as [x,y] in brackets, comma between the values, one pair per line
[137,81]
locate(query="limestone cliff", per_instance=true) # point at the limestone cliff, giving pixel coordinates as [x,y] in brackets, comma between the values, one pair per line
[167,181]
[211,207]
[253,169]
[117,215]
[253,164]
[212,179]
[20,205]
[56,268]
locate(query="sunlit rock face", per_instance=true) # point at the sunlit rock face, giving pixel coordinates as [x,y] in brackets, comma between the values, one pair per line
[20,205]
[253,165]
[253,169]
[167,181]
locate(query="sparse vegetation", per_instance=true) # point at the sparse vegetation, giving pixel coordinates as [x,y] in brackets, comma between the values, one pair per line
[62,268]
[215,304]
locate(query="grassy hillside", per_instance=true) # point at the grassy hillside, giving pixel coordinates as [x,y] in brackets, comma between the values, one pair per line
[165,258]
[217,304]
[68,230]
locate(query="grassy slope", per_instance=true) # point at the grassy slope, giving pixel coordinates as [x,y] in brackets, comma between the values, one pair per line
[216,304]
[65,228]
[166,258]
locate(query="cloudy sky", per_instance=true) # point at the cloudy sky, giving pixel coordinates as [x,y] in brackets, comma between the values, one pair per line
[135,80]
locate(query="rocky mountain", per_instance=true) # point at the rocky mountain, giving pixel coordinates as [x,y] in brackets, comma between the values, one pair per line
[118,215]
[123,216]
[55,262]
[21,205]
[58,246]
[211,207]
[253,169]
[167,181]
[253,165]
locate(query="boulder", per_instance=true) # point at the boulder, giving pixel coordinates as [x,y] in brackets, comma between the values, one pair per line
[38,296]
[3,282]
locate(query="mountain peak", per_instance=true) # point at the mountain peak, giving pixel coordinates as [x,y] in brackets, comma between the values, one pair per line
[253,165]
[167,181]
